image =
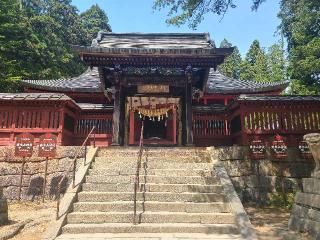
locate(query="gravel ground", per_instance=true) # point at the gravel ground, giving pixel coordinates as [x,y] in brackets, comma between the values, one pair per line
[272,223]
[31,217]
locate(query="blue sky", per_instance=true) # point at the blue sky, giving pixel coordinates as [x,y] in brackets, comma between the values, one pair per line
[240,25]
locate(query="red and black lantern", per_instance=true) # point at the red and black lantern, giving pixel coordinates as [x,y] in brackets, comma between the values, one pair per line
[279,147]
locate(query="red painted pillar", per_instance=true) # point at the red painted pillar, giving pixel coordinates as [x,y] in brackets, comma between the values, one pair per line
[174,125]
[13,126]
[131,128]
[60,139]
[226,121]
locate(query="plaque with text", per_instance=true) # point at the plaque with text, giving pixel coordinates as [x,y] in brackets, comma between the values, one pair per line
[47,145]
[24,145]
[153,88]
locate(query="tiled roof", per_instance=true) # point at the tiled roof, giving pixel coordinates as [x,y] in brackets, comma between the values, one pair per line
[89,81]
[34,96]
[219,83]
[160,43]
[298,98]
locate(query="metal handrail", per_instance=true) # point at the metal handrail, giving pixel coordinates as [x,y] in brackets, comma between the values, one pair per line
[136,180]
[73,166]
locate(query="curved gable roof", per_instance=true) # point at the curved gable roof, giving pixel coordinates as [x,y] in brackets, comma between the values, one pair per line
[89,81]
[221,84]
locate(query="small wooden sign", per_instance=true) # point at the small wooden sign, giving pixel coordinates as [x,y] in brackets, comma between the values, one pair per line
[47,145]
[153,88]
[24,145]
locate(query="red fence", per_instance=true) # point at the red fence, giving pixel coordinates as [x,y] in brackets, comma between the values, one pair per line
[68,123]
[210,128]
[103,130]
[292,120]
[242,120]
[238,123]
[19,120]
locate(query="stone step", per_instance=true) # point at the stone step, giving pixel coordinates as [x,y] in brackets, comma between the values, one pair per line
[151,187]
[150,196]
[125,206]
[150,217]
[149,236]
[152,179]
[161,164]
[154,152]
[151,228]
[151,171]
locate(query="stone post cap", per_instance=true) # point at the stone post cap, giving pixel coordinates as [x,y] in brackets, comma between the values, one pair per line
[312,137]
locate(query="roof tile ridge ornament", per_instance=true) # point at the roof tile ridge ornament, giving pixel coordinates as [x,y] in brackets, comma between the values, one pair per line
[98,39]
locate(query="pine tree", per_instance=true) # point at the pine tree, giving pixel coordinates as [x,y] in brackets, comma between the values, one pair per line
[18,45]
[95,20]
[254,67]
[276,63]
[300,25]
[232,64]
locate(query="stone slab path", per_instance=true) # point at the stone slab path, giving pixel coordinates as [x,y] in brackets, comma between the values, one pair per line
[150,236]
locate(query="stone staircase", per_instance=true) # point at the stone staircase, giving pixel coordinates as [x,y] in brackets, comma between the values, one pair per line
[179,192]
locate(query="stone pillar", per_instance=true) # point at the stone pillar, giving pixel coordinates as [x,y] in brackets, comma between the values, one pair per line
[3,209]
[305,215]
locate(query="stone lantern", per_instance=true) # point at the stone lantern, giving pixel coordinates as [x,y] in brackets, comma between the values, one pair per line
[313,140]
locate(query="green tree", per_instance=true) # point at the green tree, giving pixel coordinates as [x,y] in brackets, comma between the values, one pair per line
[57,25]
[276,63]
[95,20]
[300,24]
[36,38]
[18,45]
[254,67]
[232,64]
[193,11]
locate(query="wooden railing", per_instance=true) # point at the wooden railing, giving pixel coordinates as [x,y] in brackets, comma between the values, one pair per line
[137,176]
[206,124]
[18,120]
[291,120]
[72,168]
[103,126]
[210,128]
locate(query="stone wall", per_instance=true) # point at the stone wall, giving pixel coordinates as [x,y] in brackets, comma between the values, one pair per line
[305,215]
[33,174]
[259,180]
[3,209]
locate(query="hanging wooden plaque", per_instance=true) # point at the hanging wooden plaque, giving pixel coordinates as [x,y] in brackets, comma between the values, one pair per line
[24,145]
[153,88]
[47,145]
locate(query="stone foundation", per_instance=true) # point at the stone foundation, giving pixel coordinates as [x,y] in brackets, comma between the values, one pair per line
[260,180]
[3,209]
[33,174]
[305,215]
